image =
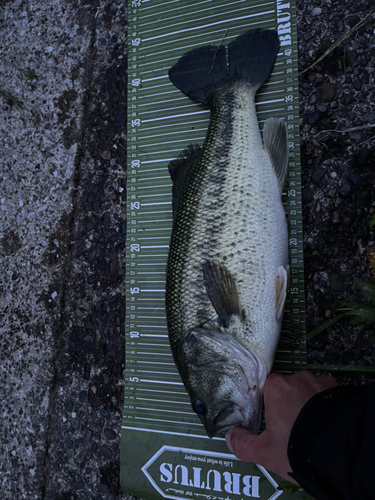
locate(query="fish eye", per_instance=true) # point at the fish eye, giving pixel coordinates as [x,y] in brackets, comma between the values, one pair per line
[199,407]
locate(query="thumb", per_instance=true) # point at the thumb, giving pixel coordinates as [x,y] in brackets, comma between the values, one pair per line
[247,446]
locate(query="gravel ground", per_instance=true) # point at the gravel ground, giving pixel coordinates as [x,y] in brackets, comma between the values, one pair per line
[338,174]
[63,227]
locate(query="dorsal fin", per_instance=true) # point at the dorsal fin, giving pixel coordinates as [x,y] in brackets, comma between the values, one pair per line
[179,170]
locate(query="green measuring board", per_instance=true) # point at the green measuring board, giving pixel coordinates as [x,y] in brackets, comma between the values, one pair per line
[165,452]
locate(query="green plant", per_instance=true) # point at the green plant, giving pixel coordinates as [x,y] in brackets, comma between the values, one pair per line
[357,311]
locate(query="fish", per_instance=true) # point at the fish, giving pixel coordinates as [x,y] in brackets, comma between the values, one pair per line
[227,269]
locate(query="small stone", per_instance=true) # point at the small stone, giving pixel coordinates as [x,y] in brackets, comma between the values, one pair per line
[120,117]
[105,452]
[88,435]
[104,413]
[318,296]
[356,136]
[363,198]
[311,77]
[321,108]
[355,178]
[335,218]
[106,219]
[110,434]
[345,189]
[307,36]
[363,155]
[353,20]
[79,312]
[365,78]
[340,26]
[332,193]
[349,99]
[337,282]
[106,155]
[86,371]
[327,91]
[348,222]
[306,195]
[79,485]
[68,406]
[357,85]
[103,488]
[316,11]
[313,118]
[321,244]
[318,174]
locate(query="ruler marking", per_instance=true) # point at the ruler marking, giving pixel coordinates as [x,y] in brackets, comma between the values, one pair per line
[227,21]
[203,10]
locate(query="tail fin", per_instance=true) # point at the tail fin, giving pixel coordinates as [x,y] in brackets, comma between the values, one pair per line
[251,57]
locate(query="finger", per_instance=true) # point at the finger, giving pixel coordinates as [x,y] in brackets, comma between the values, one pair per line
[248,446]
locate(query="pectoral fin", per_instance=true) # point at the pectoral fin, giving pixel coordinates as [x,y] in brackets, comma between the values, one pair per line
[282,283]
[222,290]
[276,146]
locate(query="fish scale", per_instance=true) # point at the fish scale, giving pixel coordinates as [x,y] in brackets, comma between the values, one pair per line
[241,193]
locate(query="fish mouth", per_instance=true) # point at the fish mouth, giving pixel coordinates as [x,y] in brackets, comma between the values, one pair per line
[221,429]
[227,417]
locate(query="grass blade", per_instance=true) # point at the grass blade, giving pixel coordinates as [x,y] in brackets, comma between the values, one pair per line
[326,325]
[340,40]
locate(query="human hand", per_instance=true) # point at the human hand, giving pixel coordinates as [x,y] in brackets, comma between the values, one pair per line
[284,397]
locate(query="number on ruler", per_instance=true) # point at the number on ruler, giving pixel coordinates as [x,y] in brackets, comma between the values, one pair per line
[133,379]
[136,163]
[136,3]
[134,290]
[135,205]
[134,335]
[134,247]
[136,41]
[136,82]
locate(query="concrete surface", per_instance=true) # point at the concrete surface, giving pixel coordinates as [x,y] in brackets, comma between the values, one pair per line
[63,225]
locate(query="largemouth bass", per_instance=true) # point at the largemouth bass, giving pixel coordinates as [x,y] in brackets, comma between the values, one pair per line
[227,270]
